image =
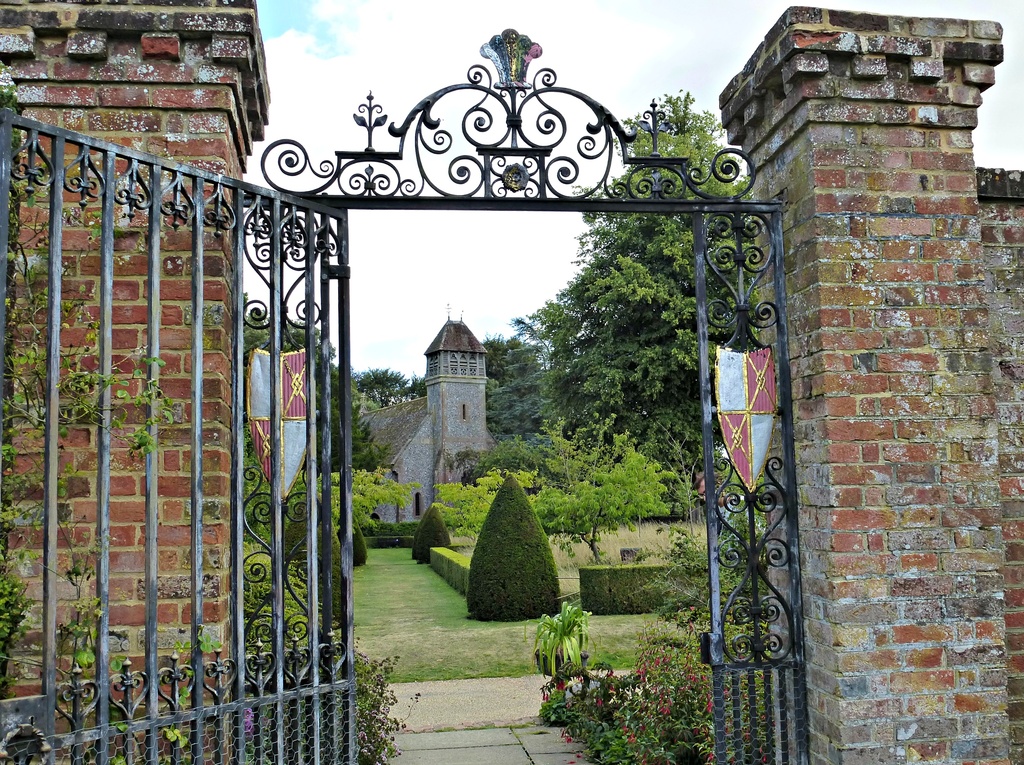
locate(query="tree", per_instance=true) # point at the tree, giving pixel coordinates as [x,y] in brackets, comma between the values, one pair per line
[383,387]
[512,575]
[622,334]
[514,386]
[512,455]
[371,489]
[597,489]
[464,507]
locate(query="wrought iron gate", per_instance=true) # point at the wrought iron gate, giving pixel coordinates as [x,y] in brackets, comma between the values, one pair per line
[184,589]
[510,143]
[239,500]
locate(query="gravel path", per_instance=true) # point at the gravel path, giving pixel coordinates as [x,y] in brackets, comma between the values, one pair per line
[457,704]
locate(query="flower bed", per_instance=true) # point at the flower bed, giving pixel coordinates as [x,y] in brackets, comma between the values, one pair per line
[659,715]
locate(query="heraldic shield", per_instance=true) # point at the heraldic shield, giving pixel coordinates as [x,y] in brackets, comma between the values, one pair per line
[747,409]
[293,413]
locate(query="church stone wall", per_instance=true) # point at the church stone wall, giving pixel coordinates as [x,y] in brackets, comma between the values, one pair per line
[453,432]
[416,464]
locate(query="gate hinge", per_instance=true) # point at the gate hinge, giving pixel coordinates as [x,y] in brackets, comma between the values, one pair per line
[337,272]
[711,649]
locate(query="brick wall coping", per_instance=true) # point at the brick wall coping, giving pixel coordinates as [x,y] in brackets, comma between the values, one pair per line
[996,183]
[231,25]
[809,42]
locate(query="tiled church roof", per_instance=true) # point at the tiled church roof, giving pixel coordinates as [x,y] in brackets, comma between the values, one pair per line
[455,336]
[395,425]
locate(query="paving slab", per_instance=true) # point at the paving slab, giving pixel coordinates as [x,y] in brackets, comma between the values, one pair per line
[476,703]
[473,755]
[457,739]
[532,745]
[540,740]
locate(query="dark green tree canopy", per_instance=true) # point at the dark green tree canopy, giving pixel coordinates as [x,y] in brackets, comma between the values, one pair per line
[382,387]
[512,575]
[515,370]
[622,335]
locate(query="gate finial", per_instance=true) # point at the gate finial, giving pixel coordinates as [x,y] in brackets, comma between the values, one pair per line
[511,53]
[369,122]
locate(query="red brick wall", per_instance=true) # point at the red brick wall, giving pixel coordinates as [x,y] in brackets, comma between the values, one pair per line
[183,80]
[862,124]
[1002,235]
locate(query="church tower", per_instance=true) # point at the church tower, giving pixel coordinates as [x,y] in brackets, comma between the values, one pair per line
[456,397]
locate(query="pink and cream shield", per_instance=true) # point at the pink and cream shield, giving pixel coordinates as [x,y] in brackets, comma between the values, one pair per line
[293,413]
[747,409]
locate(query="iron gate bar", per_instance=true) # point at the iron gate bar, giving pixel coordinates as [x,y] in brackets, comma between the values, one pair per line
[106,333]
[152,565]
[348,700]
[50,494]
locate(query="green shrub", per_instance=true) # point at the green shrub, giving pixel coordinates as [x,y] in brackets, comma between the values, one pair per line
[431,533]
[451,566]
[374,702]
[386,543]
[628,589]
[358,547]
[512,575]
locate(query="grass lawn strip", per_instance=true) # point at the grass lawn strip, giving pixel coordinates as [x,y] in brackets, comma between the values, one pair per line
[406,610]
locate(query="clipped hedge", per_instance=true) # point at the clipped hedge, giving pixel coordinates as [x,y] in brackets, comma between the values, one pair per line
[451,566]
[358,547]
[628,589]
[431,533]
[379,543]
[512,575]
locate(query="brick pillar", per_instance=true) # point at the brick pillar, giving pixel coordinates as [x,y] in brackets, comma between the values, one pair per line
[185,80]
[1002,234]
[862,124]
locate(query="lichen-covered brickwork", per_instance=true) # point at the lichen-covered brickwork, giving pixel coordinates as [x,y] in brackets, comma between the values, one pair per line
[862,124]
[1002,236]
[184,80]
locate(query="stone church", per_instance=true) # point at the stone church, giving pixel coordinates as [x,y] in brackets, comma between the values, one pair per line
[424,436]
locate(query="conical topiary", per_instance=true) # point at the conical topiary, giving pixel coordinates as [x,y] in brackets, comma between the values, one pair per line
[358,546]
[512,575]
[430,533]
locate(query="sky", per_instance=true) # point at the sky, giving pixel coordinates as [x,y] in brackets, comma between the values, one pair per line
[411,270]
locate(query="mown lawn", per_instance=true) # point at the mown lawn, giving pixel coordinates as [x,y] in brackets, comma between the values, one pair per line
[406,610]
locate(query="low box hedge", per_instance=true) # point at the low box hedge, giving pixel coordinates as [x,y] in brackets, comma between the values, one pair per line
[384,542]
[628,589]
[451,566]
[384,529]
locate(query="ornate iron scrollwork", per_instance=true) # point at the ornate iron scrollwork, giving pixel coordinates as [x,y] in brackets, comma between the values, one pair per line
[25,745]
[507,138]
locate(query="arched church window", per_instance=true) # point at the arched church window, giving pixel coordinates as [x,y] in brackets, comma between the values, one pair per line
[418,500]
[464,412]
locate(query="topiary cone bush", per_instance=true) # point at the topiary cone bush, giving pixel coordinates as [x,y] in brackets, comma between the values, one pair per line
[512,575]
[431,533]
[358,546]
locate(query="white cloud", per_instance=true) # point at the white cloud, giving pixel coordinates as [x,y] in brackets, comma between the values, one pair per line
[491,267]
